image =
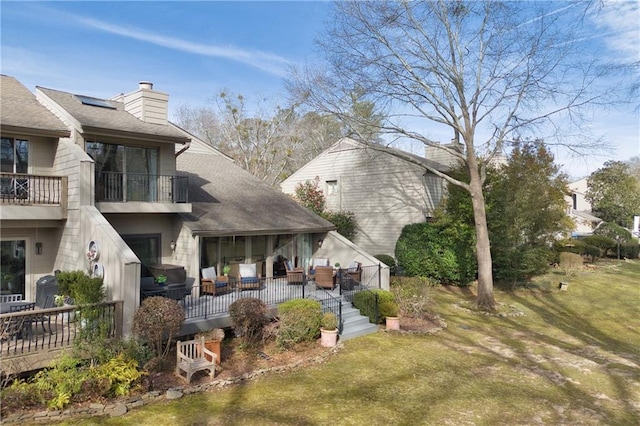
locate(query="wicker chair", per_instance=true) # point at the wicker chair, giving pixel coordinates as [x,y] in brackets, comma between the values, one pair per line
[294,275]
[213,284]
[325,277]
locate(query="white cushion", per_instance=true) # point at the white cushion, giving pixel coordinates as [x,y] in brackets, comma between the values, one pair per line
[320,262]
[247,270]
[353,266]
[209,273]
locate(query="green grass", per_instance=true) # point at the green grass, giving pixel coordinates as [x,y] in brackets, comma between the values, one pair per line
[572,358]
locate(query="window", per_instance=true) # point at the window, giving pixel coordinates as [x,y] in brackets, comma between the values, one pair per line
[124,170]
[332,187]
[147,248]
[14,158]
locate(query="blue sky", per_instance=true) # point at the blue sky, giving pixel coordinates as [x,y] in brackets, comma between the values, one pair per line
[191,50]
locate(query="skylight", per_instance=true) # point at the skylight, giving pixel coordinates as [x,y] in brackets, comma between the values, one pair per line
[86,100]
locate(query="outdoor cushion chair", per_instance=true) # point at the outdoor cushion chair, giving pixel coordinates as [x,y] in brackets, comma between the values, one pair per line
[325,277]
[249,277]
[315,263]
[213,284]
[355,271]
[294,275]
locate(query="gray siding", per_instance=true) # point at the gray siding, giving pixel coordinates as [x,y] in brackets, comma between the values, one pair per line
[384,191]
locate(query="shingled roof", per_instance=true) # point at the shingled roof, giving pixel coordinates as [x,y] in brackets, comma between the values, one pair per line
[96,119]
[228,200]
[21,112]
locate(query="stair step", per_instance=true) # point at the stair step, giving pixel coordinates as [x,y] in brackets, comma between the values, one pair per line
[358,331]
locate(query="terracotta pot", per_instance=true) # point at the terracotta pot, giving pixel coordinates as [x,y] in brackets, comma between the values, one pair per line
[328,338]
[393,323]
[213,346]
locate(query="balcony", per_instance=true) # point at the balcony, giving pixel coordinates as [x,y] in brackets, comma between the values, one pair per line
[27,196]
[136,192]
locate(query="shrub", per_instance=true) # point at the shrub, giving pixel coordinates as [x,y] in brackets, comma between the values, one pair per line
[310,195]
[613,230]
[345,222]
[119,373]
[249,316]
[593,252]
[570,246]
[600,241]
[630,250]
[439,251]
[389,261]
[389,309]
[365,301]
[60,383]
[299,322]
[329,321]
[570,262]
[81,287]
[412,296]
[157,319]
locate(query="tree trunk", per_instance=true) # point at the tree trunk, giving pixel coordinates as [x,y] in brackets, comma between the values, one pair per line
[485,299]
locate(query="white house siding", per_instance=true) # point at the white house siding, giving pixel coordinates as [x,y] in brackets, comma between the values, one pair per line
[384,191]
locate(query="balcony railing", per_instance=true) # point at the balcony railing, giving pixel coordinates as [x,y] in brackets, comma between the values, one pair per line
[27,189]
[127,187]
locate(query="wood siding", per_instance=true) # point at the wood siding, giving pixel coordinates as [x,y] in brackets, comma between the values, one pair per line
[384,191]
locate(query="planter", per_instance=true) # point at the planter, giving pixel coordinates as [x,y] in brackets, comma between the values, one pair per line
[393,323]
[563,286]
[328,338]
[213,346]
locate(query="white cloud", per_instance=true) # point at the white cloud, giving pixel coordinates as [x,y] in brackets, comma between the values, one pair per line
[621,22]
[265,61]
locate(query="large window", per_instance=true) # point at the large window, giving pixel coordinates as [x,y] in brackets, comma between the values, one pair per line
[12,267]
[124,173]
[14,158]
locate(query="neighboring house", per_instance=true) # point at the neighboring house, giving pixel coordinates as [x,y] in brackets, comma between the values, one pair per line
[385,188]
[579,209]
[80,173]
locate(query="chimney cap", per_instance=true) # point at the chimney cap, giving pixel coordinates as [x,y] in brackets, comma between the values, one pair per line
[146,85]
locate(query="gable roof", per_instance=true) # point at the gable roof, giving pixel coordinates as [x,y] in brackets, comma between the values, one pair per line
[227,200]
[22,113]
[403,155]
[111,121]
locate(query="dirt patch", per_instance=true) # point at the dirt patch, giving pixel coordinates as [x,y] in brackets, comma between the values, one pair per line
[428,323]
[238,362]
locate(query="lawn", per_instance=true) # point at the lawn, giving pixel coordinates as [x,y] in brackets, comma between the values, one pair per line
[553,357]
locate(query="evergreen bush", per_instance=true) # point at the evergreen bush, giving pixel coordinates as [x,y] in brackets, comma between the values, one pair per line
[368,302]
[299,321]
[389,261]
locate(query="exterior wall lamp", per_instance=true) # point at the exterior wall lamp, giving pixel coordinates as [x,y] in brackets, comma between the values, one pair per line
[172,244]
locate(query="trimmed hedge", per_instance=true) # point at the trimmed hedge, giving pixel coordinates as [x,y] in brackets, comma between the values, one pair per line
[300,321]
[365,301]
[389,261]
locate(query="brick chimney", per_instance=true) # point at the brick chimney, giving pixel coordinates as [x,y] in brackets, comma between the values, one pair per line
[147,104]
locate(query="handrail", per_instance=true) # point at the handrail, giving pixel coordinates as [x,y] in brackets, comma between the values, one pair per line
[127,187]
[29,189]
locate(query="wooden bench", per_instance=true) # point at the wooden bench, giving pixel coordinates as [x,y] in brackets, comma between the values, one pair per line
[192,356]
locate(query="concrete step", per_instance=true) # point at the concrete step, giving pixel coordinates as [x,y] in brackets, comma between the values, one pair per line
[354,324]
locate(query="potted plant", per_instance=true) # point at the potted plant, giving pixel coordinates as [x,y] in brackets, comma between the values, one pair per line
[161,279]
[329,330]
[389,310]
[225,270]
[212,340]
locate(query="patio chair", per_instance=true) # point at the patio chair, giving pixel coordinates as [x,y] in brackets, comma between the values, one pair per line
[213,284]
[6,298]
[294,275]
[354,270]
[249,278]
[325,277]
[315,263]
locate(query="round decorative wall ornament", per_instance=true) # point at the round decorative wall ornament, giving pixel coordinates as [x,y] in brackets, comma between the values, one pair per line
[98,271]
[93,252]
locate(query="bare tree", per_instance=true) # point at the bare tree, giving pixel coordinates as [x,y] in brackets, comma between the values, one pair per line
[488,71]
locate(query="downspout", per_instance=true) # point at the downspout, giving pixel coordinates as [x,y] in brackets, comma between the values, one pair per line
[186,147]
